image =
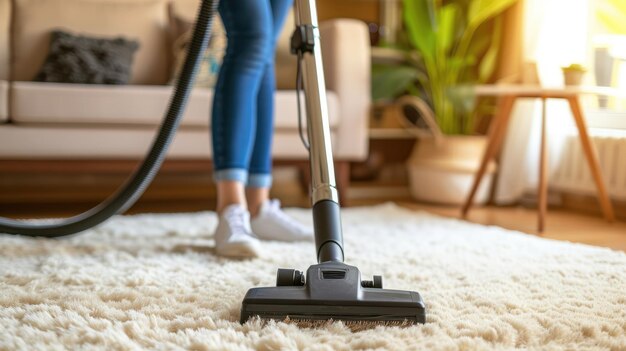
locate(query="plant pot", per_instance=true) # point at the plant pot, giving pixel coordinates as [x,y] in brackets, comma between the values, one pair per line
[573,77]
[443,172]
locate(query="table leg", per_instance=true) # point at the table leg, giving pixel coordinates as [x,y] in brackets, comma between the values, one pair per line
[496,135]
[592,159]
[543,171]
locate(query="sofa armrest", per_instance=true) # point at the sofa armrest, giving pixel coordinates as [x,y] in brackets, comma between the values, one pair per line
[347,71]
[4,101]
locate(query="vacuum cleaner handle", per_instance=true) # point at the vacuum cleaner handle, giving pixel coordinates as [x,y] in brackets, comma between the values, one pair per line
[330,289]
[324,196]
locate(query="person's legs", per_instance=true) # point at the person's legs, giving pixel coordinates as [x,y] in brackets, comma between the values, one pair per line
[260,177]
[255,197]
[248,25]
[269,221]
[230,192]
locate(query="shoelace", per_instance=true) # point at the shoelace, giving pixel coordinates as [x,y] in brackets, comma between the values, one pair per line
[237,220]
[274,209]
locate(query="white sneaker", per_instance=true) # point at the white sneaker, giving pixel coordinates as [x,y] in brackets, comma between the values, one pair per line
[273,224]
[233,236]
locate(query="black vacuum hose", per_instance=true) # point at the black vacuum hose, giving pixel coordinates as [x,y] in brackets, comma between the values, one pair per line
[128,193]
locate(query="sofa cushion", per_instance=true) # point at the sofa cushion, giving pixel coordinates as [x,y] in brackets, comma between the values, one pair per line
[84,142]
[141,20]
[5,52]
[286,63]
[33,102]
[4,101]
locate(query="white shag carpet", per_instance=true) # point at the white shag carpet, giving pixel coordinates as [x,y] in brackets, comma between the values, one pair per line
[153,282]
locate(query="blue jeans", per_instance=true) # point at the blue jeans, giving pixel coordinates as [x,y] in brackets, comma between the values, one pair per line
[243,104]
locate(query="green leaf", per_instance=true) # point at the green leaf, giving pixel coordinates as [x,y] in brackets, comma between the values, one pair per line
[390,81]
[420,26]
[446,28]
[463,97]
[482,10]
[618,5]
[460,62]
[481,40]
[490,61]
[612,15]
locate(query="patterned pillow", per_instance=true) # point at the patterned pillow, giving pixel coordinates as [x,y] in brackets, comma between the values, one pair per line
[181,32]
[87,60]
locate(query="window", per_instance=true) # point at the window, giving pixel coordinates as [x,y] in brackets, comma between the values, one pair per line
[608,54]
[608,39]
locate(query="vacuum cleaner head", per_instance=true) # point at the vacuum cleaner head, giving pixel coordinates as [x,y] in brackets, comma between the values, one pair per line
[332,291]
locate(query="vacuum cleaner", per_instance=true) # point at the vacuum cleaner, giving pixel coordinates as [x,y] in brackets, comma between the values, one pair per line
[331,289]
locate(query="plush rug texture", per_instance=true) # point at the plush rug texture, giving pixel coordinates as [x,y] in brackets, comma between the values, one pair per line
[153,282]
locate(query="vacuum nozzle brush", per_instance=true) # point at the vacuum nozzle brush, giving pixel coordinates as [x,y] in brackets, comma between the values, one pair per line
[333,291]
[353,325]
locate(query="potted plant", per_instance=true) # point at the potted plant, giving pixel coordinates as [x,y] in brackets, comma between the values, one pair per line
[573,74]
[448,45]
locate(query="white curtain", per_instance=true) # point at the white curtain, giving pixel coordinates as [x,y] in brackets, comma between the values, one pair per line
[556,34]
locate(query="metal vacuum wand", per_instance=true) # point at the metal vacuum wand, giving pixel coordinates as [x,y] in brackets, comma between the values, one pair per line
[330,289]
[325,198]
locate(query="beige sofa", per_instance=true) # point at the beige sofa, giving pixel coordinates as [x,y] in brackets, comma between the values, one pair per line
[44,121]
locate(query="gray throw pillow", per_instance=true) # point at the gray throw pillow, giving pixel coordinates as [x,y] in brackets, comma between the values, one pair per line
[87,60]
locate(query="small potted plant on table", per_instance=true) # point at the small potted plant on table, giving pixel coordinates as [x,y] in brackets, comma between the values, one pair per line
[573,74]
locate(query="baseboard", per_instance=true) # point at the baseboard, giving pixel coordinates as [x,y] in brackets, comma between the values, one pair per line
[590,205]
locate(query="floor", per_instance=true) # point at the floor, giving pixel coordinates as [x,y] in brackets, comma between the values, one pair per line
[561,224]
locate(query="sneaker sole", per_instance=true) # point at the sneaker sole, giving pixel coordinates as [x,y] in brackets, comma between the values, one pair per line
[239,250]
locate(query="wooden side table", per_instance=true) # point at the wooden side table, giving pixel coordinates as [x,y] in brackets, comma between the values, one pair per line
[509,94]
